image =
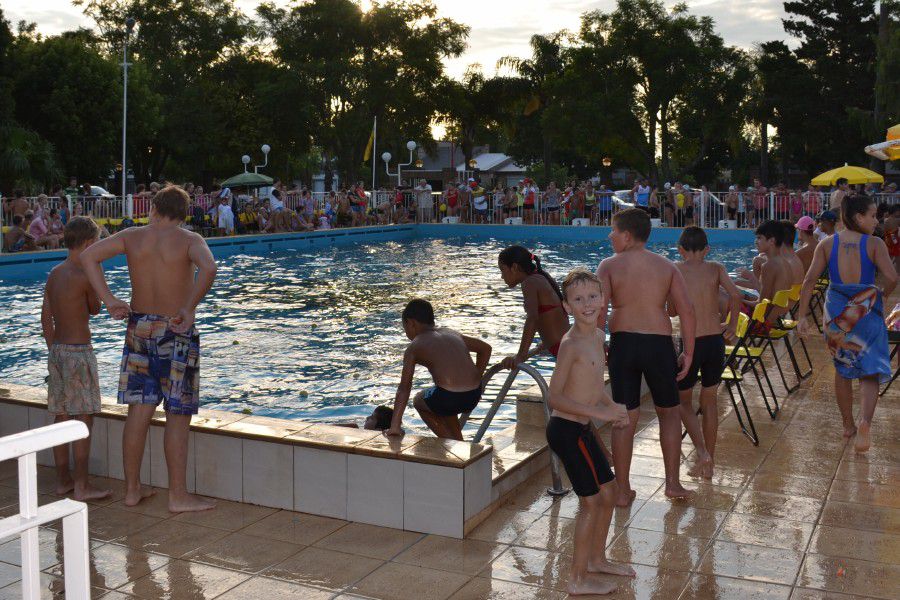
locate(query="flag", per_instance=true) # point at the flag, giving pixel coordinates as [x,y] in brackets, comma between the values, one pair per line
[533,105]
[368,153]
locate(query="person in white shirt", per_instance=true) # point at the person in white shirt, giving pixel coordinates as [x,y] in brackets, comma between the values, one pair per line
[424,202]
[224,214]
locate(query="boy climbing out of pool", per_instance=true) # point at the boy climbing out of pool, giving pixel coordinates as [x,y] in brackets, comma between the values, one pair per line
[73,388]
[638,283]
[171,270]
[704,280]
[577,397]
[446,355]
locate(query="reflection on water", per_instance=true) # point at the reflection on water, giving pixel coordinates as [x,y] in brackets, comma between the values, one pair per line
[316,334]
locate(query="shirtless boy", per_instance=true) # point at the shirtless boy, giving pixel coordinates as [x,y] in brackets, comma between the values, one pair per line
[790,255]
[73,387]
[577,397]
[171,270]
[638,284]
[457,380]
[775,271]
[704,280]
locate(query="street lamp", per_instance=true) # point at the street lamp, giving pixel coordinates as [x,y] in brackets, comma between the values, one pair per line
[129,26]
[246,160]
[607,162]
[265,150]
[386,157]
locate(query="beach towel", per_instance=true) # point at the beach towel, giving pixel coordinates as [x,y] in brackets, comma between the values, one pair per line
[855,331]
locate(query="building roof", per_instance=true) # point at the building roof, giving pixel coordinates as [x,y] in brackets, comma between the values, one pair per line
[496,162]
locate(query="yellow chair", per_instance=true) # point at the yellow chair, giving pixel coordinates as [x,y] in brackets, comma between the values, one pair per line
[761,335]
[782,299]
[732,375]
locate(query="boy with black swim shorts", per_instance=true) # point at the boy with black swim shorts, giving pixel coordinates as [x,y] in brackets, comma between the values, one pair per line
[577,397]
[73,387]
[704,281]
[171,270]
[446,355]
[639,283]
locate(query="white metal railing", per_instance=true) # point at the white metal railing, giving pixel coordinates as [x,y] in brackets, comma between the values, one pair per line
[24,447]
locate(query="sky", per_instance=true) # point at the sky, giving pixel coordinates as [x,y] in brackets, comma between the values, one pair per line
[498,27]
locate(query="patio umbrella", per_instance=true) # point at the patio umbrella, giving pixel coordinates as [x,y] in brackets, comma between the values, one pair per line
[888,149]
[249,180]
[853,175]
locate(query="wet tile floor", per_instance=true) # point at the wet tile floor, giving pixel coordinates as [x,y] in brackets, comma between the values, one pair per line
[802,516]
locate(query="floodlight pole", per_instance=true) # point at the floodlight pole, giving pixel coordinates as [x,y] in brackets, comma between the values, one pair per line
[129,25]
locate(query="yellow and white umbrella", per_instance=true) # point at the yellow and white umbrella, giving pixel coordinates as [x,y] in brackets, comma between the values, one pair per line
[853,175]
[888,149]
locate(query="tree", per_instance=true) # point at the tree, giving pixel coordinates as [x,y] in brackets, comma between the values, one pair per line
[473,110]
[537,84]
[354,65]
[67,93]
[838,42]
[181,51]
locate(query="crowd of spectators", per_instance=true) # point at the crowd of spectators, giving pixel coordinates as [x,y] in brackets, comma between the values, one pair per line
[36,223]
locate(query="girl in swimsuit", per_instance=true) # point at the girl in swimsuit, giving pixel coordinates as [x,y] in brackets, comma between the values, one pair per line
[543,303]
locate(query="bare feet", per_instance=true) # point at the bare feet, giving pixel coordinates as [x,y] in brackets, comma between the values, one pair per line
[702,467]
[64,487]
[863,436]
[189,503]
[626,497]
[589,585]
[678,492]
[604,566]
[849,431]
[89,492]
[133,497]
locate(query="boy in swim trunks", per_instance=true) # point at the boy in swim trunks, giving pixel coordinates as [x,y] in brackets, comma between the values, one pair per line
[577,398]
[704,279]
[171,270]
[446,355]
[73,389]
[639,283]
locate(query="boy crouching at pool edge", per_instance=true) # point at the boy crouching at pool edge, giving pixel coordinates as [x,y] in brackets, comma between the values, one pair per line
[73,387]
[446,355]
[577,397]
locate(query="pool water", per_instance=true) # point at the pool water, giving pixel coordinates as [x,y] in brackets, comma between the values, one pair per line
[316,334]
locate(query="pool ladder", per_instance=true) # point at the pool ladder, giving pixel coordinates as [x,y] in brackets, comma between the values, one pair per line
[557,488]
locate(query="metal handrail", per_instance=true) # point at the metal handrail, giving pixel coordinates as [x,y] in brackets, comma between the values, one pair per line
[557,488]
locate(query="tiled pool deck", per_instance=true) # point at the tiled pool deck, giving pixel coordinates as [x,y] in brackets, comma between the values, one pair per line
[802,516]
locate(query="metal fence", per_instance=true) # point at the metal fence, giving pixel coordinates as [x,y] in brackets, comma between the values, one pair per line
[729,209]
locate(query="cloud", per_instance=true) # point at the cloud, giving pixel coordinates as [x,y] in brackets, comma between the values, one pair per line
[498,27]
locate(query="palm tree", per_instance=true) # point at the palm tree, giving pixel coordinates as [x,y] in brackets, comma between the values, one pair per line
[538,76]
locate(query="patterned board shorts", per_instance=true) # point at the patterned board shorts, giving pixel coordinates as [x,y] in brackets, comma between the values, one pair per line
[73,387]
[159,365]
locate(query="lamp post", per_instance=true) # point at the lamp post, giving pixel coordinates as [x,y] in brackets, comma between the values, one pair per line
[386,157]
[129,26]
[265,150]
[246,160]
[607,163]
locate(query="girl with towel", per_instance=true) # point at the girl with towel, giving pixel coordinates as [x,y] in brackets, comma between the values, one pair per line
[854,315]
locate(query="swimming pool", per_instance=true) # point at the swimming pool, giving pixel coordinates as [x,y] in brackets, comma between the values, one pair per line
[315,333]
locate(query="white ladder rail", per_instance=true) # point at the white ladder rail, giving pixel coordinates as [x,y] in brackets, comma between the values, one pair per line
[24,447]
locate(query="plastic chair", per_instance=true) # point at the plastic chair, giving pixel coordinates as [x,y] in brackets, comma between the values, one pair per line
[733,378]
[782,299]
[761,335]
